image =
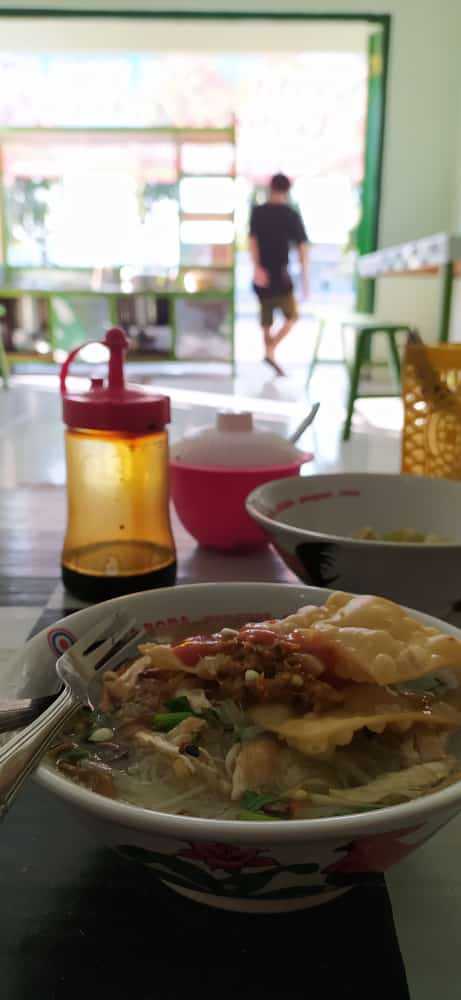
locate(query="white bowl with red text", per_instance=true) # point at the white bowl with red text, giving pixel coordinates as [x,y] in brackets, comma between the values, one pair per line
[311,520]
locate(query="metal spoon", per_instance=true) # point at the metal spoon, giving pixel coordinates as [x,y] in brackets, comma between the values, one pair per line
[20,712]
[304,423]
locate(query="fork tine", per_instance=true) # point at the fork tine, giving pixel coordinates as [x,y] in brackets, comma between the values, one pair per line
[127,627]
[121,652]
[113,642]
[93,658]
[95,633]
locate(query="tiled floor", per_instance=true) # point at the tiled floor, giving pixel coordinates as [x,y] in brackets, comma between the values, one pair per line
[31,434]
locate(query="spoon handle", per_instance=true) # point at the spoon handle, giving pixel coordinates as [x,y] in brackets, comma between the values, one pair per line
[22,754]
[304,424]
[18,713]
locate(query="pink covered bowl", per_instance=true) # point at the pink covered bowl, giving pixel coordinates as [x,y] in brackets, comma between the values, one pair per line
[215,468]
[210,502]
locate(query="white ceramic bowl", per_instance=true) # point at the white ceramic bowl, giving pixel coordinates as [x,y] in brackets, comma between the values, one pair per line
[310,521]
[256,867]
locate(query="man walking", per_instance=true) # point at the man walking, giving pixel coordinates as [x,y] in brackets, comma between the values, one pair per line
[274,228]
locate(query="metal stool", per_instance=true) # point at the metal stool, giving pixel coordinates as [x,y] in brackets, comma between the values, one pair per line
[365,325]
[340,318]
[365,334]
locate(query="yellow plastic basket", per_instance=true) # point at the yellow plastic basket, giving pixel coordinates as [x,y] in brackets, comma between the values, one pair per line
[431,444]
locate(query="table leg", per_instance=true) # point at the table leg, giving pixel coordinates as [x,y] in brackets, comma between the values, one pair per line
[345,359]
[445,308]
[367,359]
[317,342]
[394,358]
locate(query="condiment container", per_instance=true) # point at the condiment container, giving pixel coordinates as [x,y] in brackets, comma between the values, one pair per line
[118,537]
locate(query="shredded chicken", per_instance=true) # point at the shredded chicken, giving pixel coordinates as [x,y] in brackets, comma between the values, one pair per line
[198,700]
[163,658]
[231,757]
[186,732]
[204,765]
[255,765]
[119,687]
[160,742]
[391,787]
[421,745]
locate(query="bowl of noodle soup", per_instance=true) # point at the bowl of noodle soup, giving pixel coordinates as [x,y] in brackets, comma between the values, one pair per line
[299,791]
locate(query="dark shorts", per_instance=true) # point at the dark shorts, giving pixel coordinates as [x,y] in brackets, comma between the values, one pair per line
[286,303]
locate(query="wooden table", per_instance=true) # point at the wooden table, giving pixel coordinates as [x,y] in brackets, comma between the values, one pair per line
[32,524]
[79,921]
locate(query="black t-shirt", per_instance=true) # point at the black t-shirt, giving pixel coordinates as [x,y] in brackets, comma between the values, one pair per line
[276,228]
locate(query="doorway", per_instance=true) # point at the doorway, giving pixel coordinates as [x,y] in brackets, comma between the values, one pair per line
[306,96]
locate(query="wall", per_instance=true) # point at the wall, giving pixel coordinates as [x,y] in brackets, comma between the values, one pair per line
[456,208]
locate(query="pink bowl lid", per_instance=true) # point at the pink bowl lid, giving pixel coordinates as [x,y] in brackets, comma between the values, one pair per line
[234,443]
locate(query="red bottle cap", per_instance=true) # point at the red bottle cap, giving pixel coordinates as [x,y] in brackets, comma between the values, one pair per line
[113,406]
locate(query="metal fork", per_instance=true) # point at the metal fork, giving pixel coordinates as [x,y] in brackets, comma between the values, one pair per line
[99,649]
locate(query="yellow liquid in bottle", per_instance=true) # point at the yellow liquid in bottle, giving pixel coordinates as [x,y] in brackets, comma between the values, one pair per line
[118,535]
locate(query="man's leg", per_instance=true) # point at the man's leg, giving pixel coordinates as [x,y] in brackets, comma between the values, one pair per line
[290,311]
[270,342]
[274,342]
[267,338]
[282,333]
[267,319]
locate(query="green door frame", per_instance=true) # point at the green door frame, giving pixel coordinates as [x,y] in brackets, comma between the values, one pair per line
[376,110]
[367,231]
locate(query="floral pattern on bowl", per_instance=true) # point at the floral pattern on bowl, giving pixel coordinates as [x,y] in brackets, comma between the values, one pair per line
[218,872]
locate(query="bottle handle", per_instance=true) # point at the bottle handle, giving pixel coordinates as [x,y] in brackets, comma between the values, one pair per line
[116,342]
[67,363]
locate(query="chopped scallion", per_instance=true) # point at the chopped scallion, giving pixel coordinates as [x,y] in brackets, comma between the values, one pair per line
[164,721]
[248,814]
[254,800]
[181,704]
